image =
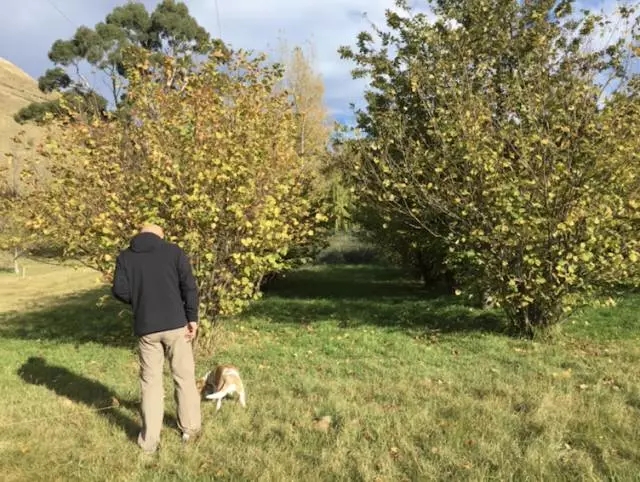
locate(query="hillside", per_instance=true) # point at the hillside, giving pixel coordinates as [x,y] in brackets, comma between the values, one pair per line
[17,90]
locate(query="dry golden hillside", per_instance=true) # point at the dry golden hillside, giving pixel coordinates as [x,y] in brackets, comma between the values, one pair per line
[17,90]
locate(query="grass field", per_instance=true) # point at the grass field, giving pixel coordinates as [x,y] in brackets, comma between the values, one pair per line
[415,386]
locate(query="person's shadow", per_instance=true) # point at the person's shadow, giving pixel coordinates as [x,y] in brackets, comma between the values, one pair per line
[77,388]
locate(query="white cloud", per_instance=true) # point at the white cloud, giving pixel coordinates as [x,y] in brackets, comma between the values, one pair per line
[617,28]
[326,25]
[32,25]
[249,24]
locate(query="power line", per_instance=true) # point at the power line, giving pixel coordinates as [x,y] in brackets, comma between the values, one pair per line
[64,15]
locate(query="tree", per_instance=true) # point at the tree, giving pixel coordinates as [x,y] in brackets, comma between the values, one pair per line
[19,176]
[304,87]
[214,160]
[306,90]
[504,130]
[168,30]
[54,80]
[88,101]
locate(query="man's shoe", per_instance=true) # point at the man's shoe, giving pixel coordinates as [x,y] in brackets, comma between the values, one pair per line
[146,450]
[190,438]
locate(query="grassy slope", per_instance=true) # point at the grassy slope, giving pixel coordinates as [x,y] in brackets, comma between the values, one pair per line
[17,90]
[415,389]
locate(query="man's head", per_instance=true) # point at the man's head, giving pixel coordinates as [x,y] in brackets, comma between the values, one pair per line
[154,229]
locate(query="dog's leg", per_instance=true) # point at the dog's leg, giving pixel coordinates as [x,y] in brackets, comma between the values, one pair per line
[243,400]
[218,404]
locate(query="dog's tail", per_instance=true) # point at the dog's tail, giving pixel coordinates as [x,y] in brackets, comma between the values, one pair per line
[226,390]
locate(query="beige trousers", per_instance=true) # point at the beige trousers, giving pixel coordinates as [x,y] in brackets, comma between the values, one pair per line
[152,351]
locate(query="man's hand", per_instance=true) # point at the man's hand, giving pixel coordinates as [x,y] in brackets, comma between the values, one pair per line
[192,328]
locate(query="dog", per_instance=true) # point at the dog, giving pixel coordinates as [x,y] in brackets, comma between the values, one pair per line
[224,380]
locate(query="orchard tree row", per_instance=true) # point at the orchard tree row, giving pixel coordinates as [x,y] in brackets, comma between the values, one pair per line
[498,147]
[223,148]
[501,147]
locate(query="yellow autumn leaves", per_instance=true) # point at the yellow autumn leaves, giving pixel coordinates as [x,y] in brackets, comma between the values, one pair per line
[213,157]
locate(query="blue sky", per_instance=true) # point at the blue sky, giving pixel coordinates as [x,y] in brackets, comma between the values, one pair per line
[29,27]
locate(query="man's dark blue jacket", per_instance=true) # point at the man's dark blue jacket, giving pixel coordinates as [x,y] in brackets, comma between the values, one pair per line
[156,279]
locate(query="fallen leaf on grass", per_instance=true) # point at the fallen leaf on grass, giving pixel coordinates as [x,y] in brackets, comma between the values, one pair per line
[115,402]
[583,386]
[394,452]
[611,383]
[323,423]
[563,374]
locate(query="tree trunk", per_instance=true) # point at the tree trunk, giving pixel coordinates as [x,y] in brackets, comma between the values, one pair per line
[16,255]
[536,317]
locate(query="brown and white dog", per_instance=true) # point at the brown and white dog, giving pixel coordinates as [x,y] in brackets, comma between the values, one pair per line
[224,380]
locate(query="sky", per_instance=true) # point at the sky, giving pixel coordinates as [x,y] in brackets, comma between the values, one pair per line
[29,27]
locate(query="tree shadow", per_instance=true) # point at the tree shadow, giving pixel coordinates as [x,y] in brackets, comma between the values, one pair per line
[93,394]
[74,319]
[349,295]
[370,295]
[348,282]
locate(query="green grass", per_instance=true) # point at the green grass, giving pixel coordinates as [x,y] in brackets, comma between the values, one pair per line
[417,385]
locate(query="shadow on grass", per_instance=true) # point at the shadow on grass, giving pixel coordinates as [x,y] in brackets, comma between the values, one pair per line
[348,282]
[79,389]
[348,295]
[76,319]
[368,295]
[93,394]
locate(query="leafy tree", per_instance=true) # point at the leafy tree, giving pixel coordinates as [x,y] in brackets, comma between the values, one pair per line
[214,160]
[89,102]
[305,90]
[168,30]
[22,172]
[342,207]
[54,80]
[38,112]
[504,130]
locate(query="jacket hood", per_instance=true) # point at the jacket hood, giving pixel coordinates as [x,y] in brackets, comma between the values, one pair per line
[145,242]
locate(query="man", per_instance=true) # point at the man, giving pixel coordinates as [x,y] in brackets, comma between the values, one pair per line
[155,278]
